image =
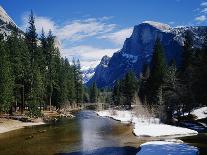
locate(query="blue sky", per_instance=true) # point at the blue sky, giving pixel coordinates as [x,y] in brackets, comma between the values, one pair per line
[89,29]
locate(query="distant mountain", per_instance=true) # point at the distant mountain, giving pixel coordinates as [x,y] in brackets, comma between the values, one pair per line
[87,74]
[137,50]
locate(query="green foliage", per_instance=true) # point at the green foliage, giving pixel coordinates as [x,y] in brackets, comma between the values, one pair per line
[172,89]
[125,90]
[6,79]
[158,69]
[34,111]
[78,81]
[94,93]
[34,75]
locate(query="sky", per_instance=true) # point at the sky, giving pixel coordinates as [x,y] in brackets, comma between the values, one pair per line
[90,29]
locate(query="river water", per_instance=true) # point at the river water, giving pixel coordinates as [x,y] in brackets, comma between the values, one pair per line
[87,134]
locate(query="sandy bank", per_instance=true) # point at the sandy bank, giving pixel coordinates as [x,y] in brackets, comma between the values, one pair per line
[7,125]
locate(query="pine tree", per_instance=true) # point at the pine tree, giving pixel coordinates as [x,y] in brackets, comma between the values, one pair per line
[36,97]
[130,87]
[170,92]
[51,67]
[78,81]
[31,39]
[116,94]
[187,54]
[6,79]
[200,74]
[143,83]
[186,73]
[94,93]
[70,82]
[158,68]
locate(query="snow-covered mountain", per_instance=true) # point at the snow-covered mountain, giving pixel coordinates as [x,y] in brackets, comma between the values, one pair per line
[87,74]
[137,50]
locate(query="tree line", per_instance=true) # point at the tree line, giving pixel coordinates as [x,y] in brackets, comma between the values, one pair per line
[170,88]
[33,75]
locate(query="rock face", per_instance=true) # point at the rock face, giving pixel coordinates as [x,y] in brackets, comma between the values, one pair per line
[137,50]
[4,17]
[87,74]
[101,68]
[6,23]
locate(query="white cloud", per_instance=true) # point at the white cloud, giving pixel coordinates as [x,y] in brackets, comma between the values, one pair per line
[204,10]
[46,23]
[204,4]
[118,37]
[201,18]
[89,55]
[201,13]
[40,22]
[78,30]
[73,31]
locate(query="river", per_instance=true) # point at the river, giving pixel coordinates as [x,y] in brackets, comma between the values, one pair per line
[87,134]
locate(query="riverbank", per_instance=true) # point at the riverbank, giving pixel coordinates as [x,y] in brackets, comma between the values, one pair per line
[7,125]
[10,123]
[146,127]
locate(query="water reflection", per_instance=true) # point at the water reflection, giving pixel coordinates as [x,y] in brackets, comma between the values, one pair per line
[93,132]
[107,151]
[96,137]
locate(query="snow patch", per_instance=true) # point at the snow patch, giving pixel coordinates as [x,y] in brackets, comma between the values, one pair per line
[200,113]
[131,58]
[156,130]
[146,126]
[87,73]
[160,26]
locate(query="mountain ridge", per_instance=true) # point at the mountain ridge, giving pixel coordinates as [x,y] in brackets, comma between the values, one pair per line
[137,50]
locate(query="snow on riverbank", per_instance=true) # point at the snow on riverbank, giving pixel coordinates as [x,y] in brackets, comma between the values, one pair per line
[7,125]
[167,148]
[146,127]
[200,113]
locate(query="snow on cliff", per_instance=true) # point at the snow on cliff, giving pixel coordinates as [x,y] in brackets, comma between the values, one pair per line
[158,25]
[5,17]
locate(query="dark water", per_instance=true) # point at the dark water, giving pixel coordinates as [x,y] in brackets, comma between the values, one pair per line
[84,135]
[200,141]
[87,134]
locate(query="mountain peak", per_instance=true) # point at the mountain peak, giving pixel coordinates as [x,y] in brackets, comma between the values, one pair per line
[158,25]
[104,61]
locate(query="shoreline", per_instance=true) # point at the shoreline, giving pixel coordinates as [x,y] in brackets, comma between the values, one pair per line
[147,128]
[7,125]
[10,124]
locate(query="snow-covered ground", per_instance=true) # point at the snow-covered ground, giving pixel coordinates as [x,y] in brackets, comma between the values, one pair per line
[146,126]
[200,113]
[167,148]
